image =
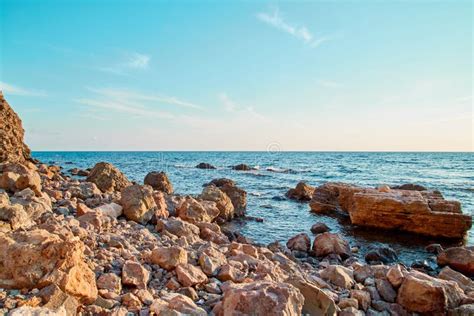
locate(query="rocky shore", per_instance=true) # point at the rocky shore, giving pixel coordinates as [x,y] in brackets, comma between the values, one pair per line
[99,244]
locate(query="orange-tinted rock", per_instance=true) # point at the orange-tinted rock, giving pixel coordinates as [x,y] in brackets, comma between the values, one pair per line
[159,181]
[302,192]
[176,304]
[15,177]
[189,275]
[237,195]
[194,211]
[300,242]
[107,177]
[12,147]
[138,203]
[223,202]
[133,273]
[161,210]
[458,258]
[169,257]
[328,243]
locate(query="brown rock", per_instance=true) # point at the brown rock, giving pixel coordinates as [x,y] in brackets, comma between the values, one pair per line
[211,260]
[133,273]
[302,192]
[138,203]
[458,258]
[194,211]
[35,259]
[328,243]
[178,227]
[300,242]
[110,282]
[237,195]
[161,210]
[319,228]
[16,177]
[339,276]
[107,177]
[113,210]
[159,181]
[223,202]
[169,257]
[260,298]
[12,147]
[189,275]
[464,282]
[176,303]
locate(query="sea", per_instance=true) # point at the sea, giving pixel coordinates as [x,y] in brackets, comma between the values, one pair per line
[276,172]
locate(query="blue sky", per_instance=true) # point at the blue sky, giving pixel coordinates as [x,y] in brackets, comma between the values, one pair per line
[249,75]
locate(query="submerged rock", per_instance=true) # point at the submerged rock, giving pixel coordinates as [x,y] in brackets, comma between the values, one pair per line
[242,167]
[205,165]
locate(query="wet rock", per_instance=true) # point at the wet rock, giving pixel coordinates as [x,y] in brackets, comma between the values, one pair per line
[159,181]
[382,254]
[319,228]
[189,275]
[169,257]
[194,211]
[302,192]
[242,167]
[458,258]
[138,203]
[38,258]
[204,165]
[260,298]
[300,242]
[328,243]
[410,187]
[434,248]
[134,274]
[223,202]
[108,178]
[12,147]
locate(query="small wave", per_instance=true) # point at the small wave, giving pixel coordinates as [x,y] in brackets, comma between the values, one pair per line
[280,170]
[181,166]
[255,193]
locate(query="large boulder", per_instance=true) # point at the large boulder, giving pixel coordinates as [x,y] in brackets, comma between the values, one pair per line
[159,181]
[421,293]
[237,195]
[302,192]
[34,205]
[223,202]
[193,211]
[15,215]
[15,177]
[12,147]
[327,243]
[178,227]
[107,177]
[421,212]
[300,242]
[176,304]
[37,258]
[169,257]
[260,298]
[458,258]
[138,203]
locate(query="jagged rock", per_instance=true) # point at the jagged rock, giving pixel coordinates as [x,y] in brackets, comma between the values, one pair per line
[12,147]
[204,165]
[34,206]
[85,190]
[464,282]
[211,260]
[381,254]
[176,304]
[362,297]
[223,202]
[161,210]
[302,192]
[300,242]
[339,276]
[110,282]
[113,210]
[260,298]
[421,293]
[16,177]
[386,290]
[189,275]
[421,212]
[177,227]
[37,258]
[107,177]
[15,215]
[458,258]
[159,181]
[328,243]
[194,211]
[395,275]
[133,273]
[138,203]
[316,301]
[237,195]
[169,257]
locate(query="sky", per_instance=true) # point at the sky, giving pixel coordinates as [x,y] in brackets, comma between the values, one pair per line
[240,75]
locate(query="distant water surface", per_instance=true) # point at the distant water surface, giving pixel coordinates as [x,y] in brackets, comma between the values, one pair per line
[451,173]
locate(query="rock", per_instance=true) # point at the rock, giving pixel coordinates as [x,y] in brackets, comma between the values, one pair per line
[228,272]
[260,298]
[242,167]
[110,282]
[95,221]
[132,302]
[211,260]
[35,206]
[161,210]
[381,254]
[328,243]
[319,228]
[386,290]
[223,202]
[237,195]
[395,276]
[189,275]
[421,212]
[133,273]
[300,242]
[204,165]
[36,311]
[108,178]
[463,310]
[316,301]
[159,181]
[458,258]
[55,299]
[37,258]
[169,257]
[434,248]
[12,148]
[178,227]
[85,190]
[410,187]
[339,276]
[176,304]
[348,302]
[421,293]
[16,177]
[138,203]
[194,211]
[302,192]
[362,297]
[15,215]
[113,210]
[464,282]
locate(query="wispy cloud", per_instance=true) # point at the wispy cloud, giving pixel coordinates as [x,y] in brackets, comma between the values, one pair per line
[232,106]
[131,61]
[16,90]
[276,20]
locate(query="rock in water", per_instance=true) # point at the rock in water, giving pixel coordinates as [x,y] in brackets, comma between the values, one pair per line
[302,192]
[108,178]
[12,148]
[205,165]
[242,167]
